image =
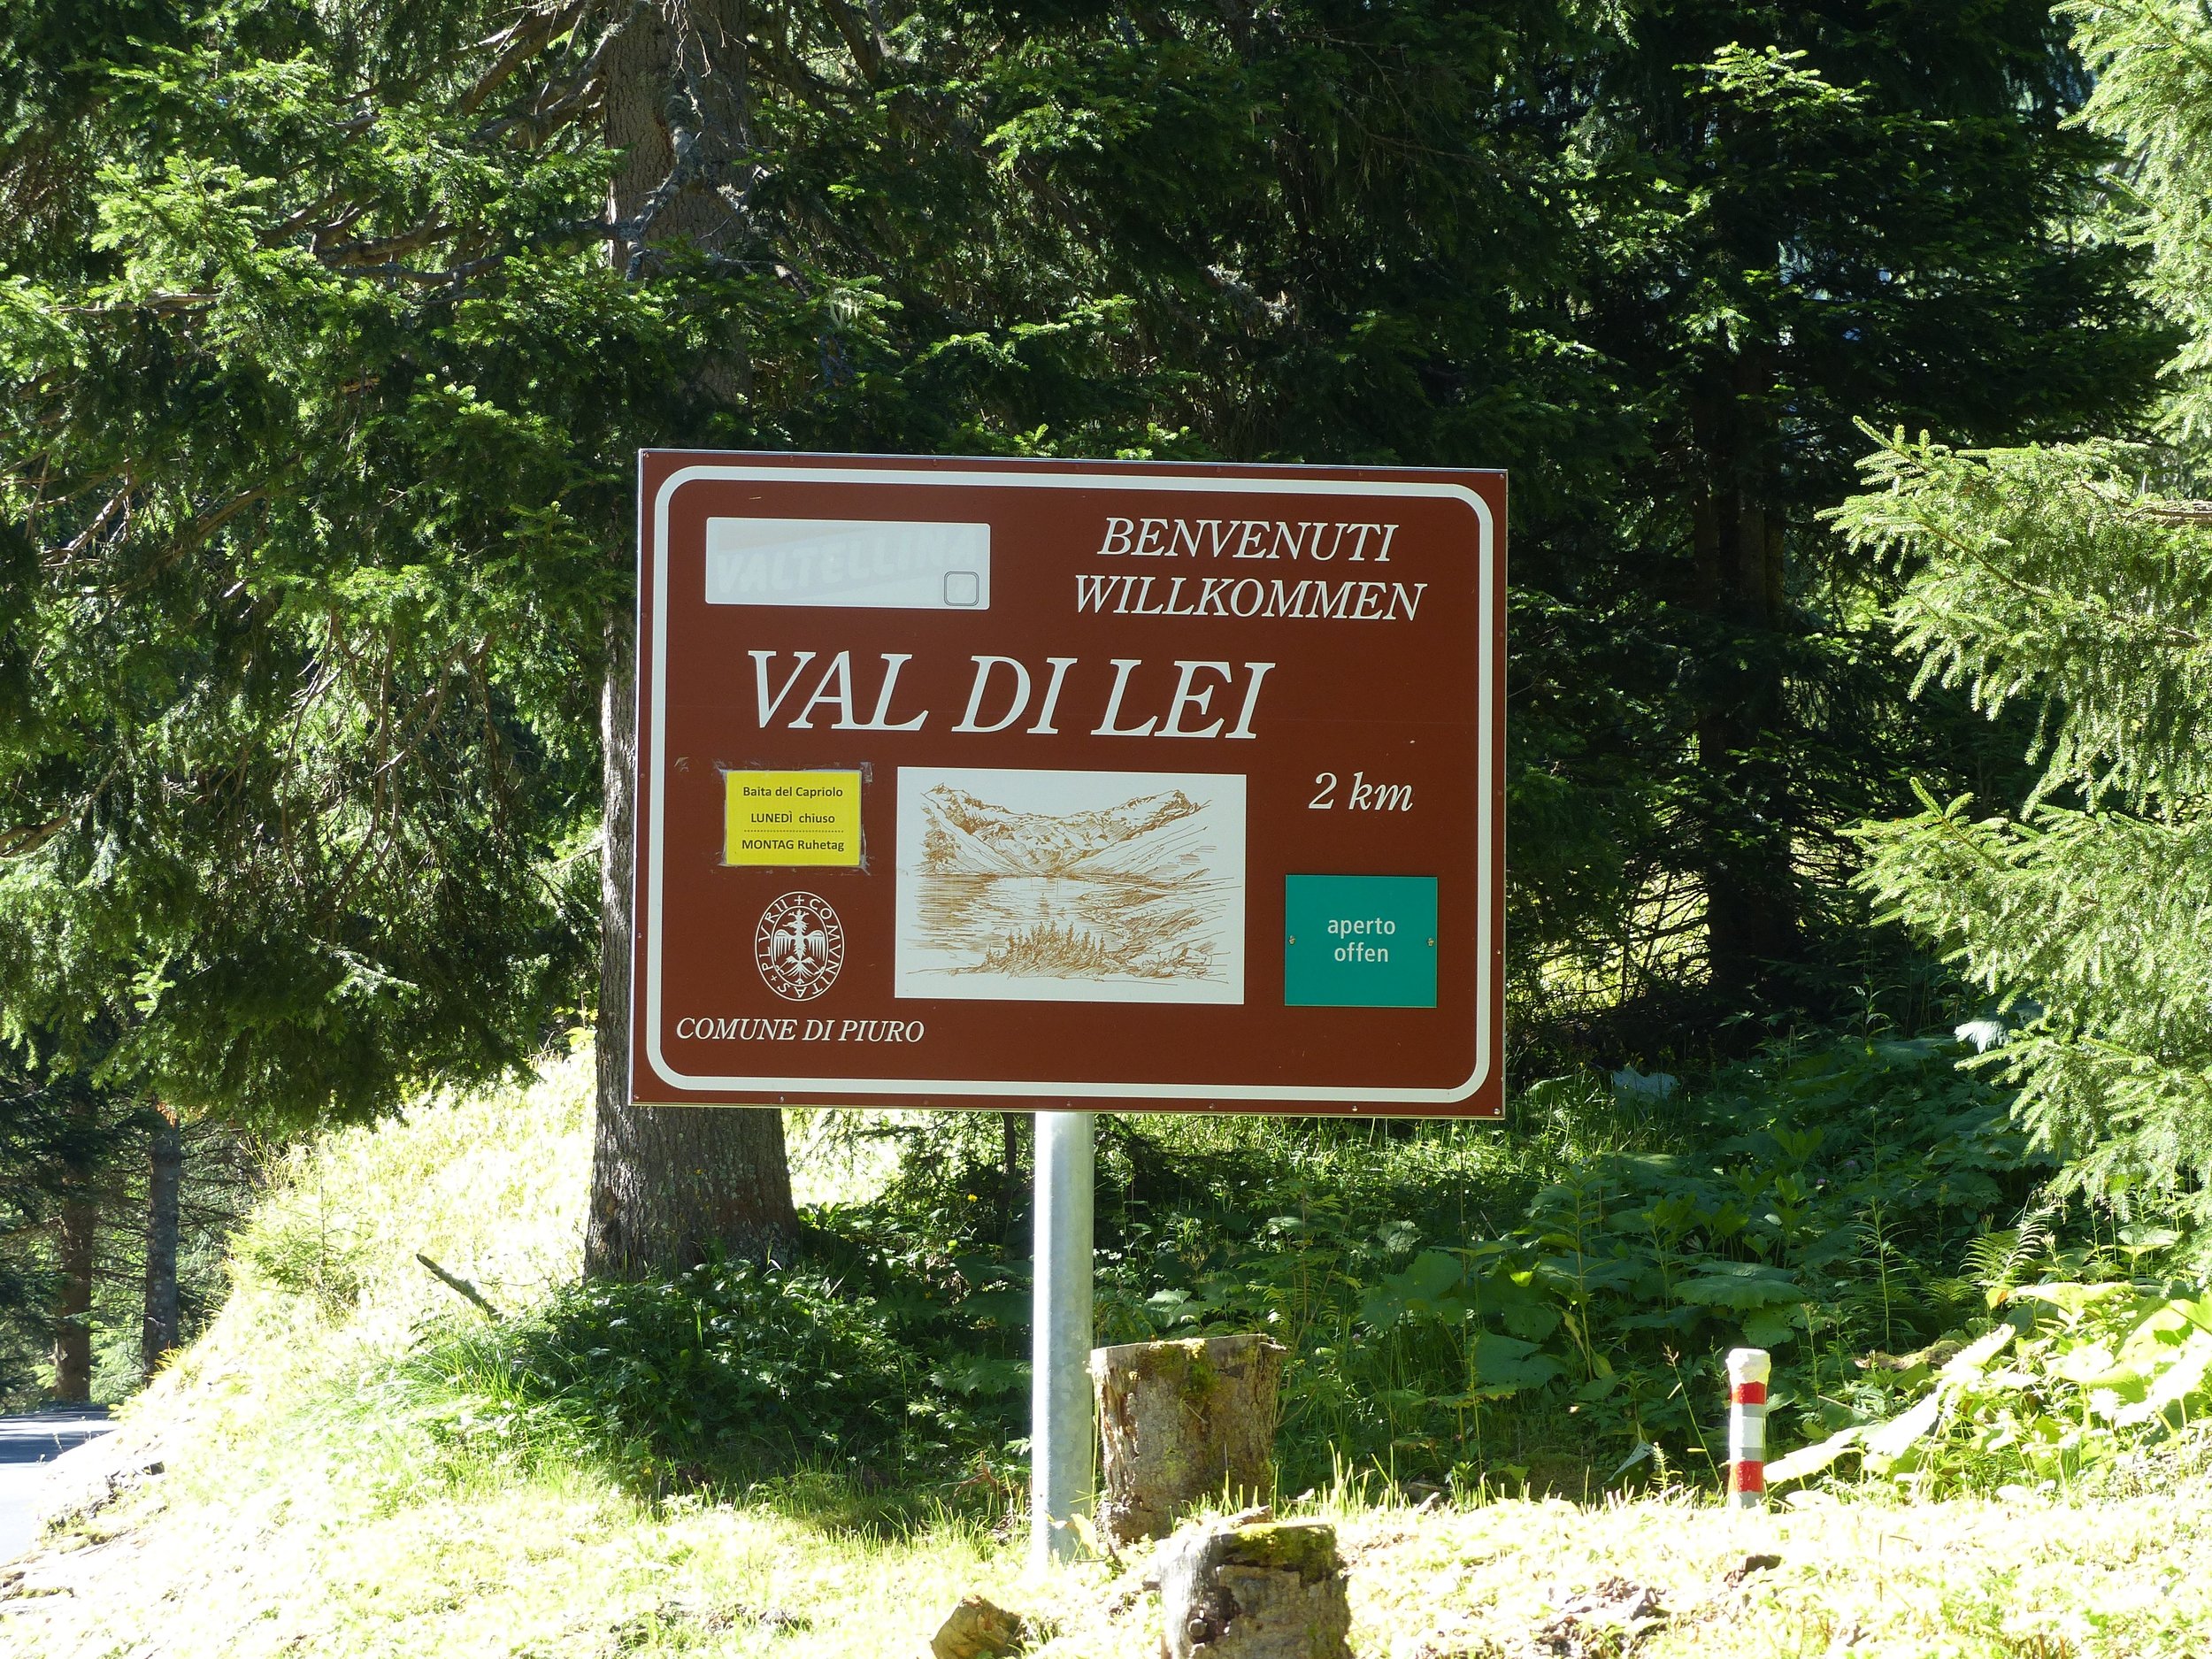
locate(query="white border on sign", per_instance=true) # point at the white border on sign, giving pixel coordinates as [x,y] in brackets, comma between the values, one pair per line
[1010,1088]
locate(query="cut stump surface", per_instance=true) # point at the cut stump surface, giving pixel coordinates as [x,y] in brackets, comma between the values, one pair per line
[1273,1591]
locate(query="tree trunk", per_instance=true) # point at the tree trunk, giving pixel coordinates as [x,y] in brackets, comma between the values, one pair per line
[1272,1591]
[165,1176]
[1748,801]
[1751,897]
[1010,1190]
[74,1259]
[1181,1422]
[669,1183]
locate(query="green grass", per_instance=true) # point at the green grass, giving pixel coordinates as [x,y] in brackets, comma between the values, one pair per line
[316,1497]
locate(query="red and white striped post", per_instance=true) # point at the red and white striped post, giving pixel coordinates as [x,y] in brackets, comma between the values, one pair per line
[1748,1368]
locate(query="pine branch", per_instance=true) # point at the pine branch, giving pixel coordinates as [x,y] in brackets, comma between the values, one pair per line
[867,55]
[378,254]
[306,217]
[569,98]
[198,532]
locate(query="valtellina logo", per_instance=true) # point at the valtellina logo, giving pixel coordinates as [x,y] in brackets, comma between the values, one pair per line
[799,946]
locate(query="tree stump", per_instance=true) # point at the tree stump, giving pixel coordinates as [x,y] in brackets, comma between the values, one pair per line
[1180,1422]
[977,1628]
[1272,1591]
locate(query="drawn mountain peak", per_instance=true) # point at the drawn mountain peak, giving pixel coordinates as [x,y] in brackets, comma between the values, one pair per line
[1145,837]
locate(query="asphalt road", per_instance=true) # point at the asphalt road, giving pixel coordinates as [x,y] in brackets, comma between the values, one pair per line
[28,1444]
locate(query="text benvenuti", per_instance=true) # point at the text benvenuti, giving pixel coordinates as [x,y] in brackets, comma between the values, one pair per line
[1298,542]
[1319,541]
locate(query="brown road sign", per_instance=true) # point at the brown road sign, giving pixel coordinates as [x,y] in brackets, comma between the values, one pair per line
[1086,783]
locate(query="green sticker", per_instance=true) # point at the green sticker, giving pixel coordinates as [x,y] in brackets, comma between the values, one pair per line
[1359,941]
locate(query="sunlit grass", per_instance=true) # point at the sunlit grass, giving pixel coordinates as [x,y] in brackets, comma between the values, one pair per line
[306,1507]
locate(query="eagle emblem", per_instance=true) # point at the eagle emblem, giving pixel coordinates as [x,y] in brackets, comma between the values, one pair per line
[799,946]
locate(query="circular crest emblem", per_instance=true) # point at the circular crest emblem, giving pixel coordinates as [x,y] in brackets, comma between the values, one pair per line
[799,945]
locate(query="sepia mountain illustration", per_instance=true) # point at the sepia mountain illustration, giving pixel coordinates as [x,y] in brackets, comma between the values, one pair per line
[1047,886]
[1156,838]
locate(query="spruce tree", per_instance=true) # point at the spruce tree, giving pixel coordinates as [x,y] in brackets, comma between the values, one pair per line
[2077,579]
[1653,261]
[328,337]
[1802,215]
[61,1144]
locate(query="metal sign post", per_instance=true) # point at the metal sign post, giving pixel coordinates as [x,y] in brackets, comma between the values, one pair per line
[1060,1450]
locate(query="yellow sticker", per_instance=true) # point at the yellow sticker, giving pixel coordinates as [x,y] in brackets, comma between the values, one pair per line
[791,817]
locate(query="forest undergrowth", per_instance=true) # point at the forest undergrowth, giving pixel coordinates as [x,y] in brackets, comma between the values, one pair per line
[413,1430]
[1541,1307]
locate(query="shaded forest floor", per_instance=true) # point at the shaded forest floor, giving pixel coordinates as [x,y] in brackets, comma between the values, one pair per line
[295,1483]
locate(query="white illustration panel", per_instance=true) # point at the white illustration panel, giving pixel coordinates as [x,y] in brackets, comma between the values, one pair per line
[1070,887]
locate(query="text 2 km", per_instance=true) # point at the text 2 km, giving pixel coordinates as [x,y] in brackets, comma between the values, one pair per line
[1363,796]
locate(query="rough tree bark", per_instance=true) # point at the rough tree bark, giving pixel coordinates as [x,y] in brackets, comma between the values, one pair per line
[73,1246]
[1181,1422]
[165,1178]
[669,1183]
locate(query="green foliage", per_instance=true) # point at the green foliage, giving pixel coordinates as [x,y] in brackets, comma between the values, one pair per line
[727,1373]
[2071,581]
[1456,1302]
[1785,217]
[58,1136]
[2099,916]
[2153,92]
[1816,1204]
[1463,1307]
[63,1139]
[2054,579]
[321,400]
[304,547]
[2074,1384]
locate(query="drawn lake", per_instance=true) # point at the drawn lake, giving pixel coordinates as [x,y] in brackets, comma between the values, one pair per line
[1071,887]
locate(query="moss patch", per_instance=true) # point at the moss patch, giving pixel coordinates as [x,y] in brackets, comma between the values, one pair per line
[1306,1547]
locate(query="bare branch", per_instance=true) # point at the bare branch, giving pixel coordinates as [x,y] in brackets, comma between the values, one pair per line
[561,101]
[867,55]
[162,303]
[26,839]
[2178,512]
[307,217]
[382,248]
[194,533]
[518,45]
